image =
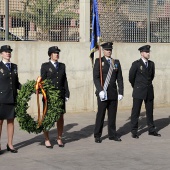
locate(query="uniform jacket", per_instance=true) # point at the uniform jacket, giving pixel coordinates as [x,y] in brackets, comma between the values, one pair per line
[116,78]
[141,78]
[9,83]
[57,76]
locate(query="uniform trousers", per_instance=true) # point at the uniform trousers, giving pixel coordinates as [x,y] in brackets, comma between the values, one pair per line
[137,103]
[111,106]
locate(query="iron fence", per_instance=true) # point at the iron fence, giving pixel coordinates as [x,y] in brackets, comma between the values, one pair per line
[58,20]
[135,20]
[45,20]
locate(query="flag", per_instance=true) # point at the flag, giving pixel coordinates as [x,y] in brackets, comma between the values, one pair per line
[95,35]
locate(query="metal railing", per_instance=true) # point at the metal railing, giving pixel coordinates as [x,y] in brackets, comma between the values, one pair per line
[58,20]
[45,20]
[137,21]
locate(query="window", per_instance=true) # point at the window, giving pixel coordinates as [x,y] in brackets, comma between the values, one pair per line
[160,2]
[1,21]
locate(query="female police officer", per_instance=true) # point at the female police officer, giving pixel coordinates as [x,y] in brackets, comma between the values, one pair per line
[8,93]
[55,71]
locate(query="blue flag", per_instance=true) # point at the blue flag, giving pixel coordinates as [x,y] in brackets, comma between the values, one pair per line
[95,35]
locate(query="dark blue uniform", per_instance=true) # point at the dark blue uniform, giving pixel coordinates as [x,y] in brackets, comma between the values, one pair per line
[112,93]
[9,83]
[58,78]
[141,78]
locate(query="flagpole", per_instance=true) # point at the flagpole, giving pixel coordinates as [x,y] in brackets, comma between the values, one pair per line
[95,39]
[100,61]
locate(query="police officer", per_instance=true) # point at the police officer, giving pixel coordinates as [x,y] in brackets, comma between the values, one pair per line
[56,72]
[9,83]
[141,75]
[107,94]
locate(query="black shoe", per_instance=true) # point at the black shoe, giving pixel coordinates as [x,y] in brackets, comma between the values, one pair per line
[115,138]
[154,134]
[11,150]
[60,145]
[98,140]
[49,147]
[136,136]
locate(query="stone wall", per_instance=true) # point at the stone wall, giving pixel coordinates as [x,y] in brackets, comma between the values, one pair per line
[30,55]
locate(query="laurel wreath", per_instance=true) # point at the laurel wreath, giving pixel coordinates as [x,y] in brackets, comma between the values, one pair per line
[54,107]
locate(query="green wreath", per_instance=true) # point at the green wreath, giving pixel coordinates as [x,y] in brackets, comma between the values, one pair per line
[54,107]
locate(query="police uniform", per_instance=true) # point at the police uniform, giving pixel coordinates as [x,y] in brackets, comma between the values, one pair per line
[9,83]
[141,77]
[112,95]
[56,75]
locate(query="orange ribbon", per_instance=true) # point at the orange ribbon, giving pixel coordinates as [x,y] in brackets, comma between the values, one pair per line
[39,85]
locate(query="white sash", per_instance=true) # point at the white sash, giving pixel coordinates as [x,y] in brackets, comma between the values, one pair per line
[107,80]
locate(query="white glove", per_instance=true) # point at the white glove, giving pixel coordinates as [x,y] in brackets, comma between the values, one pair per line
[120,97]
[66,99]
[102,95]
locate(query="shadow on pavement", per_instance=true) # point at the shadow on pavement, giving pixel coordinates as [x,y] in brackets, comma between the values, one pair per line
[67,136]
[159,123]
[85,132]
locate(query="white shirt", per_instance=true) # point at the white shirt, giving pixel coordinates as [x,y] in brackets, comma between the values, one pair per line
[6,63]
[144,60]
[107,58]
[53,63]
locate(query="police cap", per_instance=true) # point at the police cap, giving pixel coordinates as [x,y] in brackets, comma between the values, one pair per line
[53,49]
[5,48]
[145,48]
[107,46]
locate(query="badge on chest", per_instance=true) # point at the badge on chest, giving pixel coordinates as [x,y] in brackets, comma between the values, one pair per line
[141,68]
[50,70]
[1,70]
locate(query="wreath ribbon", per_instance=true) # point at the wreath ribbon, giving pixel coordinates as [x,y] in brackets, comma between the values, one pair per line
[39,85]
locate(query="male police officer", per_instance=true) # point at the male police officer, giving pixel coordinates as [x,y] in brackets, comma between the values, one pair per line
[107,95]
[141,74]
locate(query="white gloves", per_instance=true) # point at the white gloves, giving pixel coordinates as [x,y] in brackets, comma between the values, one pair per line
[102,95]
[66,99]
[120,97]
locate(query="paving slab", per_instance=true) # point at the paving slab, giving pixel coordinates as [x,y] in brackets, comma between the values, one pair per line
[82,153]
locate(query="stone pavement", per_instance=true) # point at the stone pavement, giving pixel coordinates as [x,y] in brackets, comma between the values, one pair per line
[82,153]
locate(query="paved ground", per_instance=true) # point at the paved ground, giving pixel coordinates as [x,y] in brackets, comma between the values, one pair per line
[82,153]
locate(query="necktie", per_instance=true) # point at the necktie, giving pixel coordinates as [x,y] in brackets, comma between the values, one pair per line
[8,66]
[146,64]
[56,65]
[108,61]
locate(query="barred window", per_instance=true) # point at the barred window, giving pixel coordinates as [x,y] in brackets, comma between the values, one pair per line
[160,2]
[1,21]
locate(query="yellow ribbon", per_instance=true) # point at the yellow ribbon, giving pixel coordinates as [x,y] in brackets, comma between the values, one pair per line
[39,85]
